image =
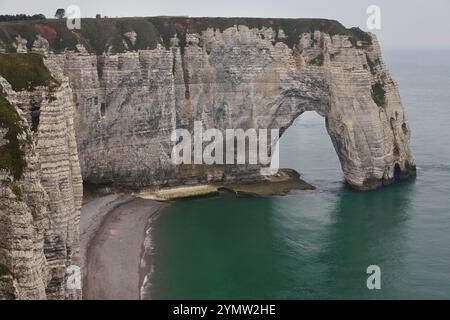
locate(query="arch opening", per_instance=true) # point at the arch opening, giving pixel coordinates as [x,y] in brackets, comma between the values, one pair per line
[397,173]
[306,147]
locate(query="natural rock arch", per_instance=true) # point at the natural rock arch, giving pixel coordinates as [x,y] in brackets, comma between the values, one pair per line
[236,78]
[372,146]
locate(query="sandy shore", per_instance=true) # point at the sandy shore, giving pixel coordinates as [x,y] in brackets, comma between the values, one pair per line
[112,231]
[112,237]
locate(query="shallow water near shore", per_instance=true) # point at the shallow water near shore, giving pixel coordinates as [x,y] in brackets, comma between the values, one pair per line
[318,244]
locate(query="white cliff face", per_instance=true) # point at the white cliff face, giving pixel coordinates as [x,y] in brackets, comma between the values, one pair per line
[22,226]
[61,178]
[127,104]
[23,220]
[372,141]
[52,193]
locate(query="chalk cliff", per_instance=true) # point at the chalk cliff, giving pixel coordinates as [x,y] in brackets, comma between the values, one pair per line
[237,77]
[117,88]
[41,188]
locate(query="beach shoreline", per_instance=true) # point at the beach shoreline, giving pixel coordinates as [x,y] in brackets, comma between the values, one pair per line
[113,230]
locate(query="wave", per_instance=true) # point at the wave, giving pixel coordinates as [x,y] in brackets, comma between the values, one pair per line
[146,263]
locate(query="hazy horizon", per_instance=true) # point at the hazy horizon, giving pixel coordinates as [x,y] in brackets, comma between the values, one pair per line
[413,23]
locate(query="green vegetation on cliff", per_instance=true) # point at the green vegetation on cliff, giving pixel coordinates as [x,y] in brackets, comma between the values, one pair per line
[4,270]
[17,191]
[25,71]
[372,64]
[379,94]
[12,156]
[317,61]
[10,30]
[99,34]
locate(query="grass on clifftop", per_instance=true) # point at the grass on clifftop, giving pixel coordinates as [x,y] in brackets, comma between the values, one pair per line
[12,157]
[97,35]
[10,30]
[25,71]
[292,28]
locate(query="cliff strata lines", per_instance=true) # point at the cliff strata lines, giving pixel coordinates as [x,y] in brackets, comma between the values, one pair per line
[23,267]
[136,80]
[42,202]
[237,77]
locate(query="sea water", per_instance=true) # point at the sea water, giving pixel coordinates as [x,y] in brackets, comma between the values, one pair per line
[319,244]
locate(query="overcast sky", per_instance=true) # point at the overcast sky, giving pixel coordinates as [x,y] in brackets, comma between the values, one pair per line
[404,23]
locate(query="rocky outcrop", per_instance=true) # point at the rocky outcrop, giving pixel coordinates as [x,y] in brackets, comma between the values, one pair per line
[129,103]
[366,119]
[40,206]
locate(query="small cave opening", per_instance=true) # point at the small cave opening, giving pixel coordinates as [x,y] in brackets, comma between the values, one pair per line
[35,111]
[102,109]
[405,129]
[397,172]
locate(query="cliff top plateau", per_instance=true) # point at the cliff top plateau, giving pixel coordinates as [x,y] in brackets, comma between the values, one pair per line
[98,35]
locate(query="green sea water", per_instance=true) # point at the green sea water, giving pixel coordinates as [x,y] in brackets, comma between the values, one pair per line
[318,244]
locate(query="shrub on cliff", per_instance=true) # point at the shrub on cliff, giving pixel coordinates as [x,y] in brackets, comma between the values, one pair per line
[25,71]
[317,61]
[12,156]
[379,94]
[4,270]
